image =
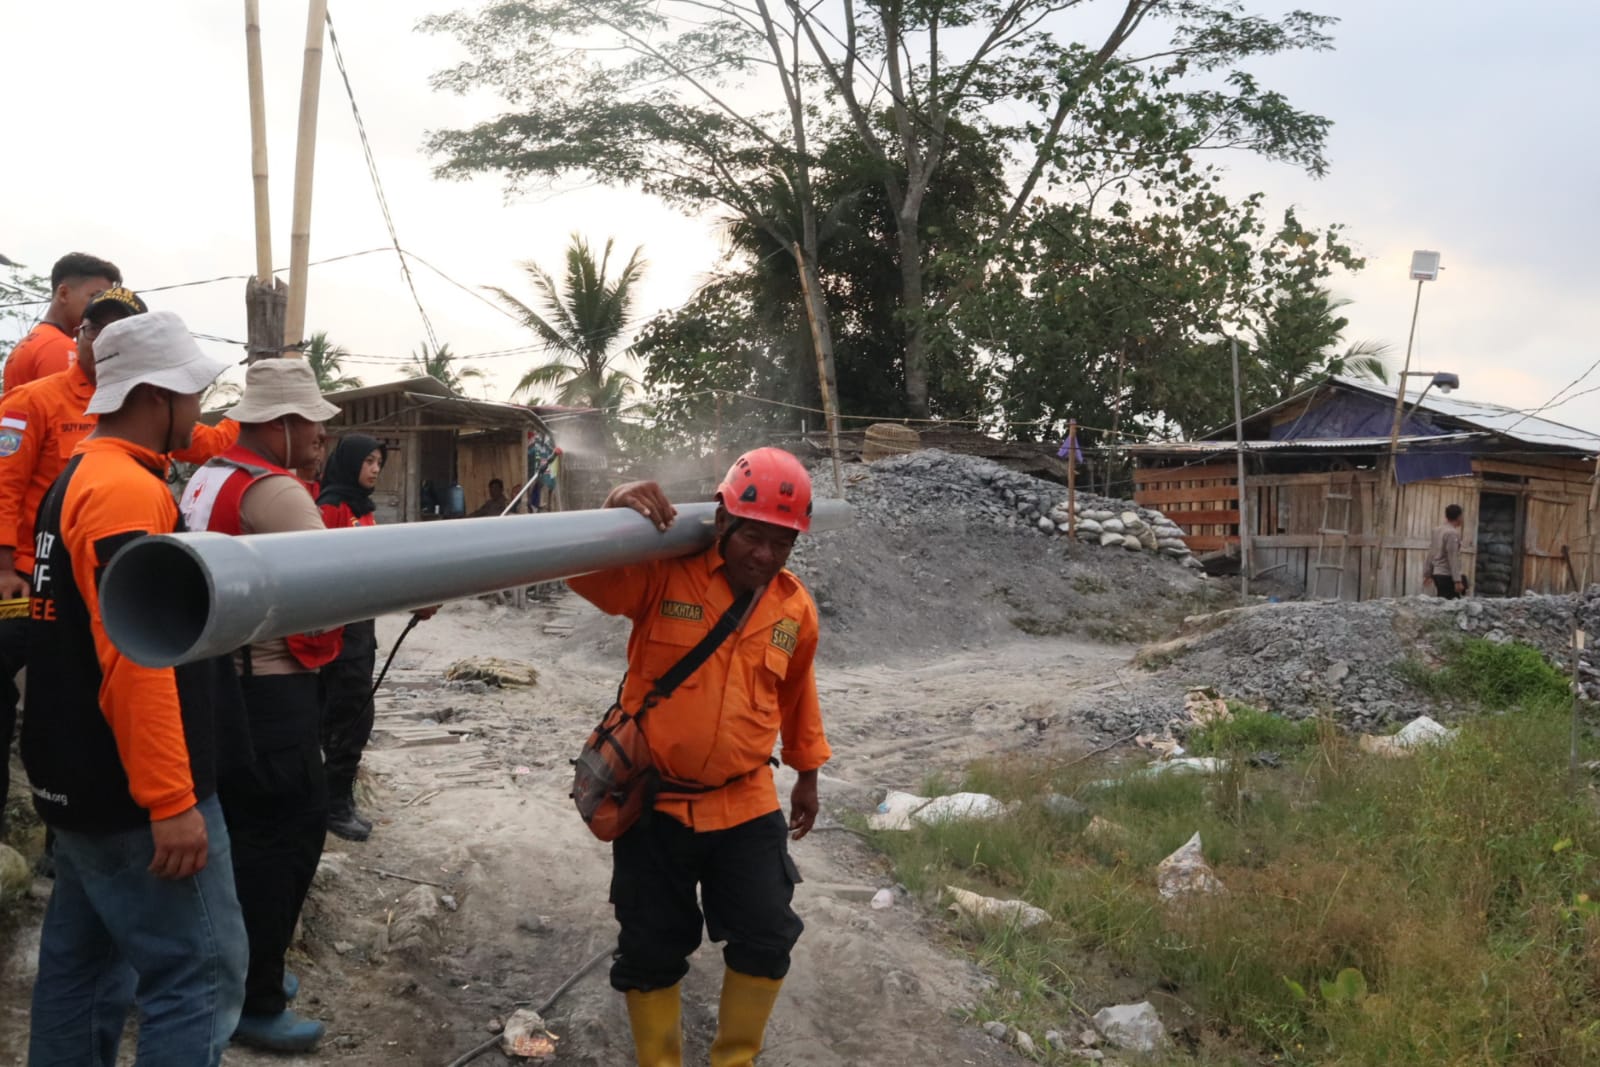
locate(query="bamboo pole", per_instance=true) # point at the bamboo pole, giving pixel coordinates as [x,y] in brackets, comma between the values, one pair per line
[258,140]
[1238,434]
[1386,496]
[1072,478]
[830,410]
[304,166]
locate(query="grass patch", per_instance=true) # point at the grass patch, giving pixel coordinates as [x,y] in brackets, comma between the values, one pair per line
[1438,909]
[1251,730]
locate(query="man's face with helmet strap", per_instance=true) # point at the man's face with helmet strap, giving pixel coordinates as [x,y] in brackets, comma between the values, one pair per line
[754,552]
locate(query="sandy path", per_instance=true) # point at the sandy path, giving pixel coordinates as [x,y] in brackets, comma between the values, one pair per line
[401,980]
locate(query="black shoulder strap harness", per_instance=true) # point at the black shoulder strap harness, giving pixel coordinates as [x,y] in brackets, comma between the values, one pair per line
[679,672]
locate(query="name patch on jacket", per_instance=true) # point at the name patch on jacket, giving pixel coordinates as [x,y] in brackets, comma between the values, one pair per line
[677,609]
[786,635]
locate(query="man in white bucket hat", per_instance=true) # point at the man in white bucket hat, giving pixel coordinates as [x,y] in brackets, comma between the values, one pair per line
[277,808]
[123,760]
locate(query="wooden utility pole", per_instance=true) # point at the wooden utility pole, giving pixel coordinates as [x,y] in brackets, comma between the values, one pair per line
[304,166]
[1386,494]
[1072,478]
[265,298]
[812,297]
[1244,500]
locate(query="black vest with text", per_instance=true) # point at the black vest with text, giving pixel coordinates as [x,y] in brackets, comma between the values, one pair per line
[68,748]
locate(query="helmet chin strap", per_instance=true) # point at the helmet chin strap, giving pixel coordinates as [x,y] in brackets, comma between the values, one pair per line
[734,522]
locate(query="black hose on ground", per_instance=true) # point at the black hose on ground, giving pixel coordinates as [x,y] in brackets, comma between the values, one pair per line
[468,1057]
[412,625]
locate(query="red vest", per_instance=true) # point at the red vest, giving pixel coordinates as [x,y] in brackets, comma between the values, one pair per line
[212,501]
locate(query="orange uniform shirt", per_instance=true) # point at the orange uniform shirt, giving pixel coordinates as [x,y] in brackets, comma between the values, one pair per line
[725,720]
[48,349]
[41,425]
[111,496]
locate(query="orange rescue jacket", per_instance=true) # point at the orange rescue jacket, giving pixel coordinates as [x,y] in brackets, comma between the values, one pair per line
[41,425]
[724,721]
[48,349]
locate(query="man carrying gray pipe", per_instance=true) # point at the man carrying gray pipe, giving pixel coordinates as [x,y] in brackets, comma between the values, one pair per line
[717,824]
[277,808]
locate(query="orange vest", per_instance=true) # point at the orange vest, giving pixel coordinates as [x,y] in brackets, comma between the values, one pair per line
[41,425]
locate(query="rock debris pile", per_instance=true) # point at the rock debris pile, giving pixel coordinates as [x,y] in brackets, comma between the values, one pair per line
[1308,657]
[900,490]
[950,553]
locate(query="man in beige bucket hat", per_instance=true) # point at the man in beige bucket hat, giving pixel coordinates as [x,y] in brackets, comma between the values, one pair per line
[276,808]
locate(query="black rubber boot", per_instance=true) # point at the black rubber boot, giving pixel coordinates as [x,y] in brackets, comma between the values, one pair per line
[342,818]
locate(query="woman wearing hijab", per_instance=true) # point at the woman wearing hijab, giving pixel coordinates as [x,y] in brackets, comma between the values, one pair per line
[348,478]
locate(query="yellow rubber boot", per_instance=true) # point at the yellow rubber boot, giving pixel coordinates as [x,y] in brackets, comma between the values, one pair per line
[657,1021]
[742,1019]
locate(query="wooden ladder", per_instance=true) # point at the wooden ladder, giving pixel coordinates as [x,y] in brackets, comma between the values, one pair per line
[1333,539]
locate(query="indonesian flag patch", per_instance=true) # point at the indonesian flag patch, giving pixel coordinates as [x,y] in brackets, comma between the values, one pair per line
[13,424]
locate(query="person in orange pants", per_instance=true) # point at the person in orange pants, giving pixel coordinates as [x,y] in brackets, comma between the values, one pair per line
[728,840]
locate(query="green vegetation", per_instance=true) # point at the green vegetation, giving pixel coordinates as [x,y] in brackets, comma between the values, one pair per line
[1439,909]
[1252,730]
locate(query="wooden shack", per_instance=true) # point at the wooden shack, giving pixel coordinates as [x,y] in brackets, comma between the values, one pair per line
[1314,463]
[436,440]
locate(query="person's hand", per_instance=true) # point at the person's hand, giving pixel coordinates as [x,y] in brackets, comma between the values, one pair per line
[647,499]
[1461,585]
[427,613]
[803,805]
[12,585]
[181,845]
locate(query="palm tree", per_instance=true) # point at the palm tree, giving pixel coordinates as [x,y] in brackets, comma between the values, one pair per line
[439,364]
[1301,339]
[327,360]
[580,327]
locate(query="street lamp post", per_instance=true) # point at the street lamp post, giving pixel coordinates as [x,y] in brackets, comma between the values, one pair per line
[1424,268]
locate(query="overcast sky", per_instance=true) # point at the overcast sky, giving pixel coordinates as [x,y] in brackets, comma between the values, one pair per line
[1460,125]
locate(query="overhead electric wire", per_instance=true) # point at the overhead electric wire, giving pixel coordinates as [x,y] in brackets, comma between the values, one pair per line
[377,184]
[220,278]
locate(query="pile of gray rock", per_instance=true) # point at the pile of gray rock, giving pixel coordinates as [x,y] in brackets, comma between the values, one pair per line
[898,491]
[1313,657]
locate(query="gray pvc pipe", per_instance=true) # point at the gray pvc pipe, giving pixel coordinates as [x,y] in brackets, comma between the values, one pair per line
[177,598]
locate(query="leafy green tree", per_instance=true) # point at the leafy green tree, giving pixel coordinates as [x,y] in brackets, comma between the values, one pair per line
[581,325]
[327,360]
[23,299]
[440,365]
[673,97]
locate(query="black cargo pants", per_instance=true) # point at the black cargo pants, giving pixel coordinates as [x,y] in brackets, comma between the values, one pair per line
[745,878]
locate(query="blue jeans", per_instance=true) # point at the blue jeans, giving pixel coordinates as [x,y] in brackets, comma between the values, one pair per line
[114,931]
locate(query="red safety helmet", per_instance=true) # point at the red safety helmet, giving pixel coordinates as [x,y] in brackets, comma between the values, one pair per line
[768,485]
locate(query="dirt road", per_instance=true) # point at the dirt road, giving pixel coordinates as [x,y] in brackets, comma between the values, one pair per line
[402,978]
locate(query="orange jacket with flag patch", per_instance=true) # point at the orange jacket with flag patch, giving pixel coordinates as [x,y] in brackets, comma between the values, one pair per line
[724,721]
[40,427]
[48,349]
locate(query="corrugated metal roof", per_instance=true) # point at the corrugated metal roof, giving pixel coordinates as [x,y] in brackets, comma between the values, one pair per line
[1328,443]
[1508,422]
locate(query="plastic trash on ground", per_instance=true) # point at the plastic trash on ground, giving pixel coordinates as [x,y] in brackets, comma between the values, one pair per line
[526,1038]
[899,811]
[1416,733]
[1183,765]
[982,909]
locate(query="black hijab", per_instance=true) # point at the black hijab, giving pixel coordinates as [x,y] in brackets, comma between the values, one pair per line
[341,475]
